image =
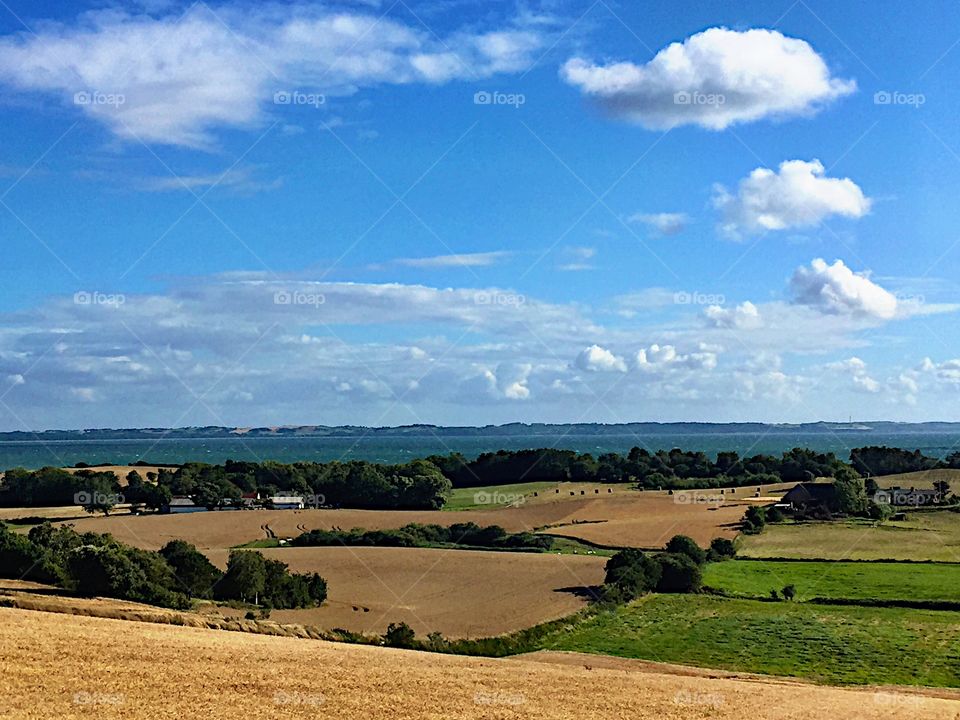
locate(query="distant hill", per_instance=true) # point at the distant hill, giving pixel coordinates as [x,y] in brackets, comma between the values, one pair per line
[545,430]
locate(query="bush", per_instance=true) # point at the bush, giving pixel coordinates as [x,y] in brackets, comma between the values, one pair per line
[400,635]
[754,520]
[721,549]
[630,574]
[683,545]
[20,559]
[679,574]
[195,574]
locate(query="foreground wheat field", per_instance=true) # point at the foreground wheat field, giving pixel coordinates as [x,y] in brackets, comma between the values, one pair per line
[78,667]
[460,593]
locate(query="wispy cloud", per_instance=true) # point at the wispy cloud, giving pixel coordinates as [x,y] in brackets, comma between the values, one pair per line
[462,260]
[176,80]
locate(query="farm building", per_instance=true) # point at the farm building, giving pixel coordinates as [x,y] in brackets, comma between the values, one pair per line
[810,496]
[183,505]
[286,502]
[249,499]
[907,497]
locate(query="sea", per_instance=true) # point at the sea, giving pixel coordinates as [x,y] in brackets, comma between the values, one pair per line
[33,454]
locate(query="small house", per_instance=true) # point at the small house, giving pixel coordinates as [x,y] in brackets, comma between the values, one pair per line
[810,496]
[286,502]
[183,505]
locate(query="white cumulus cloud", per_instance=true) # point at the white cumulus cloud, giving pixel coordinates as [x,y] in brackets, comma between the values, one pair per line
[713,79]
[836,289]
[598,359]
[744,316]
[797,195]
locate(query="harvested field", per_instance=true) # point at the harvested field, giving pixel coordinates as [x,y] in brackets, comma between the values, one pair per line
[933,535]
[63,512]
[634,519]
[78,667]
[920,479]
[460,593]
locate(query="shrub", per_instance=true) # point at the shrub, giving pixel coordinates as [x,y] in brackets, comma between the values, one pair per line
[630,574]
[195,574]
[721,549]
[683,545]
[679,574]
[400,635]
[754,520]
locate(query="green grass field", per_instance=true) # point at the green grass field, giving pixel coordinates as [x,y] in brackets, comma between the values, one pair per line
[829,644]
[923,536]
[859,581]
[494,496]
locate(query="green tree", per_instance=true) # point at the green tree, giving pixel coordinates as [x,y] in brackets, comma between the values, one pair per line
[721,549]
[679,574]
[684,545]
[630,574]
[246,576]
[400,635]
[850,492]
[195,574]
[156,497]
[754,520]
[105,571]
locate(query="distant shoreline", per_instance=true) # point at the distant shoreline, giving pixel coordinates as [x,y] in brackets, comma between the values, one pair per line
[546,430]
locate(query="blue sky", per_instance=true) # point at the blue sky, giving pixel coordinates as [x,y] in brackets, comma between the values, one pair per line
[462,213]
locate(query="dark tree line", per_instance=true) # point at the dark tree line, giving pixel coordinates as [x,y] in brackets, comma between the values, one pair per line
[92,564]
[463,535]
[673,469]
[882,460]
[417,485]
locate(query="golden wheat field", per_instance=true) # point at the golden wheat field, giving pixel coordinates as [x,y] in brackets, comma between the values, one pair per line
[80,667]
[645,520]
[460,593]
